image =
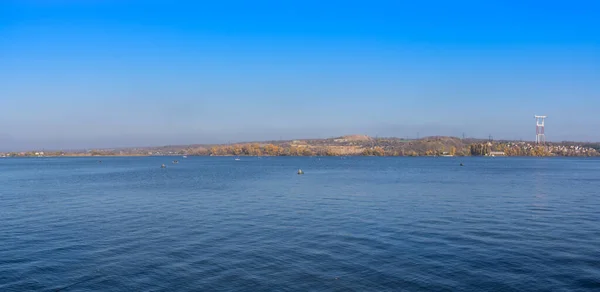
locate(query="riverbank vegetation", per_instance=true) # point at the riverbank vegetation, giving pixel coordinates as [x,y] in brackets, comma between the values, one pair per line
[356,145]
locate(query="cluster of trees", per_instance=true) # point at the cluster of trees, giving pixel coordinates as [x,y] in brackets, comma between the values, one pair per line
[33,154]
[431,146]
[442,151]
[103,153]
[595,146]
[513,150]
[375,151]
[539,151]
[480,149]
[295,150]
[26,154]
[253,149]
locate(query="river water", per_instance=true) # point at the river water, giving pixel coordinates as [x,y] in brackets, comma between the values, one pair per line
[355,224]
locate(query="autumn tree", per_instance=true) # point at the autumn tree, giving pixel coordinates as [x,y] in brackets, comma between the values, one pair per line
[293,151]
[307,152]
[453,151]
[237,149]
[271,150]
[219,150]
[378,151]
[255,150]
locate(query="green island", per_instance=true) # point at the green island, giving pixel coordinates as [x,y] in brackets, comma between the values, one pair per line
[352,145]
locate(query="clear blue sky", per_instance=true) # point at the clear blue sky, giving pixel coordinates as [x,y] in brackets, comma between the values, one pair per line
[120,73]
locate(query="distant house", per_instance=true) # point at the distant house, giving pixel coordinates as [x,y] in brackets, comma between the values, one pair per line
[497,153]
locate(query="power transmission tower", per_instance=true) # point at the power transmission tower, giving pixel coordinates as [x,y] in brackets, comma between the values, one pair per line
[540,135]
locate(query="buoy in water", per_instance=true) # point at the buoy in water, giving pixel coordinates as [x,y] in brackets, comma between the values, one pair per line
[461,164]
[300,171]
[163,166]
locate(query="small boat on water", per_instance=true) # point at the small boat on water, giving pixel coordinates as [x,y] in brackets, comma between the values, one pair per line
[237,159]
[184,156]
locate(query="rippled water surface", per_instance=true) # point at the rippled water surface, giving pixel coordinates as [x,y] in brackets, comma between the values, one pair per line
[356,224]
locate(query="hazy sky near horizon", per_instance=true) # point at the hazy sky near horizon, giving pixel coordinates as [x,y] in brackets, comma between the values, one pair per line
[133,73]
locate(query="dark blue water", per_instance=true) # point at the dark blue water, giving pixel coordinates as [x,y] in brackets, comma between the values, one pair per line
[357,224]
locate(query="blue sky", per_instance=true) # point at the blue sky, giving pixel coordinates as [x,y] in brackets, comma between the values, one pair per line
[123,73]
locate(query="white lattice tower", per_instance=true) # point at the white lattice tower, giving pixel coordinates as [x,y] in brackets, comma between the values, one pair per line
[540,135]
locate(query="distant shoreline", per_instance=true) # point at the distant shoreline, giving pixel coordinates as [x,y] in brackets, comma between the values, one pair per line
[270,156]
[353,145]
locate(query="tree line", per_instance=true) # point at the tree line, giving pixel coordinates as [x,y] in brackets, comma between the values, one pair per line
[253,150]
